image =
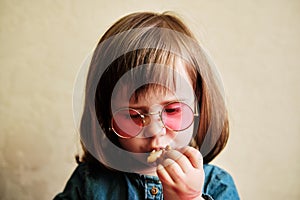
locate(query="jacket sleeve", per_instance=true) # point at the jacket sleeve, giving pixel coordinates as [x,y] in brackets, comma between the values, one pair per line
[219,184]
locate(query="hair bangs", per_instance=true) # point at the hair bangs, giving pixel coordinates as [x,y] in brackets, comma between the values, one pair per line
[148,70]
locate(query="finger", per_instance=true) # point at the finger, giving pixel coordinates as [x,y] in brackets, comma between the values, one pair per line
[163,175]
[193,155]
[174,170]
[180,159]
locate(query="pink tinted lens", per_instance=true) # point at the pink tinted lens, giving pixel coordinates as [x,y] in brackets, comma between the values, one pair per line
[177,116]
[127,123]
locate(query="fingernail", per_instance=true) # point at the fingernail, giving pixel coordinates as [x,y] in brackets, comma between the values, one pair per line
[160,167]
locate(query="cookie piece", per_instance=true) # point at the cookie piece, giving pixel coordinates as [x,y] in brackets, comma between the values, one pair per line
[154,155]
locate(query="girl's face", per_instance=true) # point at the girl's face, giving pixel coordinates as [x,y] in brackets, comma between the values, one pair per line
[154,135]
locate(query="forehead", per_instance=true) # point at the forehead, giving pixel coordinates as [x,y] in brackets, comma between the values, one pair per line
[172,84]
[153,96]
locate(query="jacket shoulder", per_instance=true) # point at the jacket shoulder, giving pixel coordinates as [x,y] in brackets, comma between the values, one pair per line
[85,182]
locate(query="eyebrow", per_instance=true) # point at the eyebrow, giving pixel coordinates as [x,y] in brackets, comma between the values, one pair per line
[161,103]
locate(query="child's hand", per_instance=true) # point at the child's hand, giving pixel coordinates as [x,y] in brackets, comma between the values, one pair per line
[181,173]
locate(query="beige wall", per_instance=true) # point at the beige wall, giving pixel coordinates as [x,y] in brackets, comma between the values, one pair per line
[256,45]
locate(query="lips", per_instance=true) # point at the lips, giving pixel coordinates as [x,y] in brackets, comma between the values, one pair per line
[162,147]
[156,148]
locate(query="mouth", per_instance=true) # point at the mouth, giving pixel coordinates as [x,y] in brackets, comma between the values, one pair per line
[159,148]
[156,153]
[156,149]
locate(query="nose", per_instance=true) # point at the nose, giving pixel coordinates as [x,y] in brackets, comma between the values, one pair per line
[154,126]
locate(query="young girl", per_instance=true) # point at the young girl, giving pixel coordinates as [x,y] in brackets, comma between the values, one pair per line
[153,102]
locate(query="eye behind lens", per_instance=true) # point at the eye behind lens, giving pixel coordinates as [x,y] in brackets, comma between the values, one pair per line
[127,123]
[177,116]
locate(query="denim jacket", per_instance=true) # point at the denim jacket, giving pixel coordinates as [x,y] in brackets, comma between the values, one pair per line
[98,183]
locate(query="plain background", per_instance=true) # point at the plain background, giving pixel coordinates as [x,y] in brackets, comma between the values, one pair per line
[256,45]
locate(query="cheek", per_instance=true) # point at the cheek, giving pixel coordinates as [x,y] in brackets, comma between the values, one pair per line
[131,145]
[184,137]
[125,143]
